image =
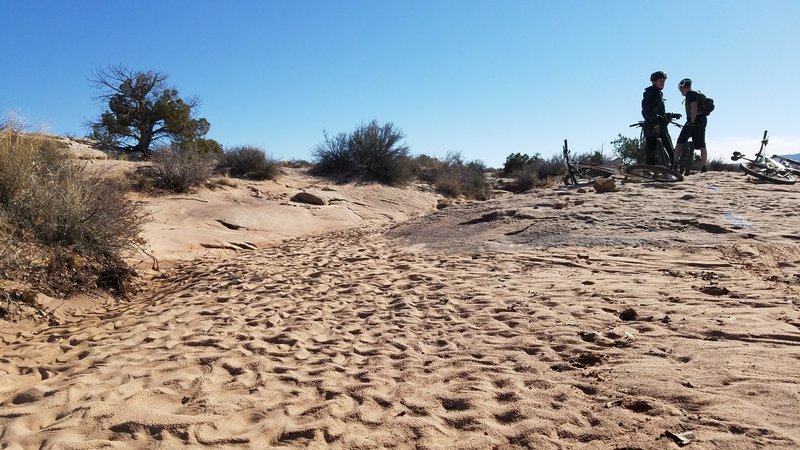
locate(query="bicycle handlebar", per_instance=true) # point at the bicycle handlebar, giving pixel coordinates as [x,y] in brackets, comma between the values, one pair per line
[642,122]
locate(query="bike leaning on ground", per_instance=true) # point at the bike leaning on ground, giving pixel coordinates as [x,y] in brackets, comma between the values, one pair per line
[662,171]
[763,167]
[582,173]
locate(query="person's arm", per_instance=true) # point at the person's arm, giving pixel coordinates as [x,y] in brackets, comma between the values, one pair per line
[692,111]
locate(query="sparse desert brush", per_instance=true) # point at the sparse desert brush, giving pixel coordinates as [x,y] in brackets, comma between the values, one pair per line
[297,164]
[533,172]
[720,165]
[426,168]
[81,222]
[456,178]
[250,162]
[223,181]
[178,170]
[19,155]
[371,151]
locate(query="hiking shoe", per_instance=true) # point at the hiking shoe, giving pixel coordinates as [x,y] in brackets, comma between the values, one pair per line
[702,168]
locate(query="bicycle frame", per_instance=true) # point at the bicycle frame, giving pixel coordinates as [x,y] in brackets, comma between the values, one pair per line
[764,167]
[577,169]
[662,157]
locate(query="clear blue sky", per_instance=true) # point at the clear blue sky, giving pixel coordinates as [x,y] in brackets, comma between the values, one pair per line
[484,78]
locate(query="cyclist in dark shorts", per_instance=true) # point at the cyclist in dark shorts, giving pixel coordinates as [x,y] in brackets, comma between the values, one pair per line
[656,118]
[695,127]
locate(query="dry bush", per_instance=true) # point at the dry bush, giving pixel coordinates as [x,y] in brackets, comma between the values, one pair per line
[18,154]
[67,229]
[7,256]
[426,168]
[297,164]
[179,170]
[250,162]
[456,178]
[372,151]
[720,165]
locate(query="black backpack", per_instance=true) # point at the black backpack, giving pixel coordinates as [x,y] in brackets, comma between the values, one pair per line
[704,104]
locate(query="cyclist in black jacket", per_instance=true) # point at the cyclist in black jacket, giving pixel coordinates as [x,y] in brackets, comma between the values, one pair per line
[656,118]
[695,127]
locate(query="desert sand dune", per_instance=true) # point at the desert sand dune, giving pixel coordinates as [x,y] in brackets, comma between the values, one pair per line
[554,319]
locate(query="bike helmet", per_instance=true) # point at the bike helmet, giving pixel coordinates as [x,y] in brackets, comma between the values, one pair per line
[658,75]
[686,82]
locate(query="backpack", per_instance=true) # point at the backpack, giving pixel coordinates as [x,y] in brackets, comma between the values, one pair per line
[704,104]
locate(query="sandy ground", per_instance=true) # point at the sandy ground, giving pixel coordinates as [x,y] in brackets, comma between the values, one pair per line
[553,319]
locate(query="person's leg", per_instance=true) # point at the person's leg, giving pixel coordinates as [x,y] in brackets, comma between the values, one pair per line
[650,142]
[703,158]
[699,139]
[666,141]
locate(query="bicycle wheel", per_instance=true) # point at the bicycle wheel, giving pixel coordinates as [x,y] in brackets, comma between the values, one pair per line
[597,170]
[765,173]
[686,159]
[655,173]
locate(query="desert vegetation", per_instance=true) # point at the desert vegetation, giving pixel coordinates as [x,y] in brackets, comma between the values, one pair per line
[143,111]
[532,171]
[250,162]
[64,228]
[371,151]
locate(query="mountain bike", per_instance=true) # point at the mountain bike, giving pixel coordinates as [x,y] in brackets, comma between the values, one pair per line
[763,167]
[583,173]
[661,171]
[792,165]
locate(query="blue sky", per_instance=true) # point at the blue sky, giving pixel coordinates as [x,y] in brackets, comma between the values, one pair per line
[484,78]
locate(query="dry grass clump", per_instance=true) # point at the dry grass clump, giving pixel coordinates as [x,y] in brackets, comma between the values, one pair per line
[177,169]
[64,229]
[250,162]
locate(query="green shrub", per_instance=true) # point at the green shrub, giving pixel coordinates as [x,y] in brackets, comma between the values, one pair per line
[372,151]
[631,150]
[456,178]
[180,170]
[203,146]
[516,162]
[250,162]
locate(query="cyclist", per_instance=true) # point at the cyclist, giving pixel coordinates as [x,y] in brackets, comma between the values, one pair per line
[656,119]
[695,127]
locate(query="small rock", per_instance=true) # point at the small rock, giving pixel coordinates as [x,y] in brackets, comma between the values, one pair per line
[605,185]
[628,314]
[581,191]
[714,290]
[28,396]
[305,197]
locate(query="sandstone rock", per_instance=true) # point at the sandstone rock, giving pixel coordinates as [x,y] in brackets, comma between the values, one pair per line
[28,396]
[305,197]
[605,185]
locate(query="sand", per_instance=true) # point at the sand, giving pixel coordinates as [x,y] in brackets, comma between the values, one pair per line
[553,319]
